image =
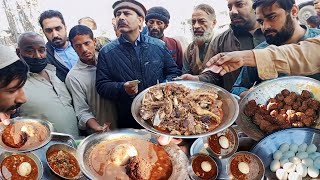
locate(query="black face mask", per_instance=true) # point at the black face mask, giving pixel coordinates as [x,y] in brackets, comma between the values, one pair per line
[36,65]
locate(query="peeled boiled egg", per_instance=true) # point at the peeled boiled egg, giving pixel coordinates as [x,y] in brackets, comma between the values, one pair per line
[243,167]
[275,164]
[24,169]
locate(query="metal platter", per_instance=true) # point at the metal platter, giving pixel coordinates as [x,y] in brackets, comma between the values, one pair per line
[34,157]
[32,147]
[269,89]
[269,144]
[230,109]
[177,156]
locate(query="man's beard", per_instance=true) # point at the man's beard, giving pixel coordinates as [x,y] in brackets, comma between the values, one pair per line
[158,35]
[206,36]
[58,42]
[281,36]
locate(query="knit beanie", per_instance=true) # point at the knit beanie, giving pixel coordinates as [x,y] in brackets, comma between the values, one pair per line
[158,13]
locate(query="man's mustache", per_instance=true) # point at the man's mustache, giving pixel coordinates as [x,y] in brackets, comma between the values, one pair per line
[236,16]
[14,107]
[266,32]
[54,39]
[155,31]
[121,23]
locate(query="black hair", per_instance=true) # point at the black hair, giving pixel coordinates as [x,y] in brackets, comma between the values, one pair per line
[314,19]
[207,9]
[80,30]
[284,4]
[50,14]
[15,71]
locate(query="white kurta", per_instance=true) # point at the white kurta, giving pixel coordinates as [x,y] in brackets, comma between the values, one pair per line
[88,104]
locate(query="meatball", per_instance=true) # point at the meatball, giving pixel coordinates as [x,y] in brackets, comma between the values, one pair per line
[280,105]
[258,118]
[280,97]
[310,112]
[291,116]
[308,121]
[313,104]
[285,92]
[138,169]
[296,105]
[301,116]
[303,107]
[289,100]
[306,94]
[281,119]
[272,100]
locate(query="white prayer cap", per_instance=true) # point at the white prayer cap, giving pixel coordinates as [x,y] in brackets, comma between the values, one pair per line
[7,56]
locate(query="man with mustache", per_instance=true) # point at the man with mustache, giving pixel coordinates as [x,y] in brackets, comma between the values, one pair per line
[132,62]
[244,33]
[48,97]
[13,75]
[59,49]
[316,4]
[279,23]
[157,20]
[94,113]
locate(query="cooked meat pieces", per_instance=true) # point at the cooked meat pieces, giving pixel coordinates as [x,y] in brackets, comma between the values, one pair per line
[310,112]
[280,97]
[285,110]
[285,92]
[138,169]
[306,94]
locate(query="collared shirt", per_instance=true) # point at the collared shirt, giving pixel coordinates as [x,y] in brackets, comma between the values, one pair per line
[135,45]
[88,104]
[50,100]
[66,56]
[249,75]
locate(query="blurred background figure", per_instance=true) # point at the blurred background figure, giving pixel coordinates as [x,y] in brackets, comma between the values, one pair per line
[89,22]
[313,22]
[114,24]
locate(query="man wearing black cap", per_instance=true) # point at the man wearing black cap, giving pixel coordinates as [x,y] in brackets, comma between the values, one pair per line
[157,20]
[132,62]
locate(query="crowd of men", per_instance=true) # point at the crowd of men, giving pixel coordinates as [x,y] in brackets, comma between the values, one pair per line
[83,85]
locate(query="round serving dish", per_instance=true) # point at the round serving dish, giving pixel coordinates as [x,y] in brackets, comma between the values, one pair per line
[35,145]
[177,156]
[230,109]
[265,148]
[211,143]
[66,148]
[256,172]
[30,155]
[196,175]
[269,89]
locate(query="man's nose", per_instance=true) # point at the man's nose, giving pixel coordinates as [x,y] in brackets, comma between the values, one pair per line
[234,10]
[21,97]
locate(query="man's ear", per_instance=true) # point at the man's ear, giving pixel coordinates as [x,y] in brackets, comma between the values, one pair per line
[18,52]
[214,22]
[166,26]
[294,11]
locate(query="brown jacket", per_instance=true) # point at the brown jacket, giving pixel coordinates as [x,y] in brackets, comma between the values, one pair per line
[226,42]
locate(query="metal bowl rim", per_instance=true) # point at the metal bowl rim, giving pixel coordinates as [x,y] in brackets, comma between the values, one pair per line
[215,87]
[40,169]
[47,124]
[79,175]
[190,169]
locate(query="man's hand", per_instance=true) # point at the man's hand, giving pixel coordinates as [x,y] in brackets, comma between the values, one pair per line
[5,118]
[223,63]
[131,87]
[94,125]
[187,77]
[165,140]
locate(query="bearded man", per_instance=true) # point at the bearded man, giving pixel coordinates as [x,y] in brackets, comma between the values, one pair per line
[279,24]
[197,54]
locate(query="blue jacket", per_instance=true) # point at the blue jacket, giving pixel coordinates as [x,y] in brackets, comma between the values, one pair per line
[249,75]
[119,61]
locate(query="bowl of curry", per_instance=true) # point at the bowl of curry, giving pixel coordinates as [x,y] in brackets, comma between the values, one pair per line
[25,134]
[22,166]
[130,154]
[62,161]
